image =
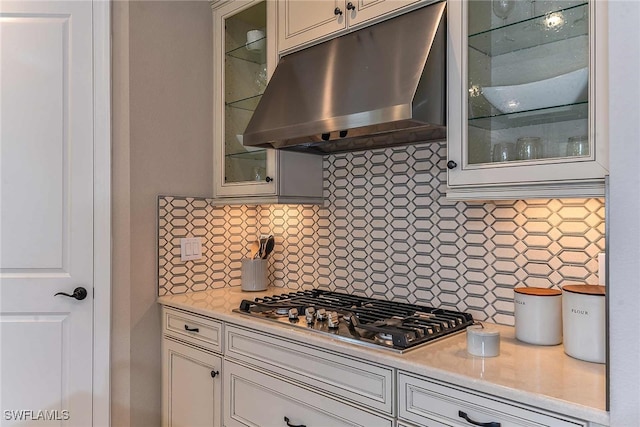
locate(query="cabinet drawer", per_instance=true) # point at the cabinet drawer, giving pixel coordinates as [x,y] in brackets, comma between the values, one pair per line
[253,398]
[194,329]
[340,375]
[427,402]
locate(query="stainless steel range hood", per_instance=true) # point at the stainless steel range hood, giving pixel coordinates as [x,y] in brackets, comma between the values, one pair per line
[380,86]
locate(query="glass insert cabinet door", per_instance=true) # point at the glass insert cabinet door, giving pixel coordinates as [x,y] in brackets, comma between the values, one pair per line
[528,81]
[242,67]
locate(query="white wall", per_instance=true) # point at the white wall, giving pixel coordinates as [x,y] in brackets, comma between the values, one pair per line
[624,218]
[162,130]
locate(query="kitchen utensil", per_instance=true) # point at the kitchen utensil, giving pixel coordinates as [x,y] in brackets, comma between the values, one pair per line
[583,317]
[263,243]
[538,315]
[528,148]
[254,275]
[255,247]
[269,245]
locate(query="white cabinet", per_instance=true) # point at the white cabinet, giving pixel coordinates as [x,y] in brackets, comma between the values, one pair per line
[527,99]
[426,402]
[191,386]
[301,23]
[244,57]
[255,398]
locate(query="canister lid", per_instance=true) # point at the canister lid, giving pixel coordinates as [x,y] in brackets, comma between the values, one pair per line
[481,330]
[540,292]
[585,289]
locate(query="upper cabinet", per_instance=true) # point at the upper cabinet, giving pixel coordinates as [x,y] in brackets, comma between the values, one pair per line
[244,57]
[301,23]
[527,99]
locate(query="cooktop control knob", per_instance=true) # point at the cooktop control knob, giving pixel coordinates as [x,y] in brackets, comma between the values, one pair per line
[309,314]
[333,320]
[293,314]
[321,314]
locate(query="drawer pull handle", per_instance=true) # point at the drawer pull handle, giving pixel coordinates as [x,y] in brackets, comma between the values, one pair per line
[214,374]
[286,420]
[186,328]
[476,423]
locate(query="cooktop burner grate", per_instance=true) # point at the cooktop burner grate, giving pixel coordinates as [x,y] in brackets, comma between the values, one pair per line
[369,321]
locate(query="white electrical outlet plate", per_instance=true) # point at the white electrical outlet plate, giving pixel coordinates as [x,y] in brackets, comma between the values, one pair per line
[190,248]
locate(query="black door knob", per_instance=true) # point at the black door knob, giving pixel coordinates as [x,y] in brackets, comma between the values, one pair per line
[214,374]
[268,179]
[350,6]
[337,11]
[451,164]
[79,293]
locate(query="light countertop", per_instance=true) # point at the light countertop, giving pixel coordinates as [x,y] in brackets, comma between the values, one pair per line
[541,376]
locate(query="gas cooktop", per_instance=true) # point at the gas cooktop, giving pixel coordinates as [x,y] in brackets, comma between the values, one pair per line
[372,322]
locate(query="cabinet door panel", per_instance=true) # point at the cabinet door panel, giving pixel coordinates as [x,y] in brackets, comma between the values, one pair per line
[366,10]
[191,395]
[530,97]
[253,398]
[426,402]
[244,57]
[303,21]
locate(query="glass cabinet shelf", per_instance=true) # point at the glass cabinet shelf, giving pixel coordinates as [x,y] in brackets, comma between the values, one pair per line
[248,104]
[252,52]
[259,154]
[561,113]
[553,26]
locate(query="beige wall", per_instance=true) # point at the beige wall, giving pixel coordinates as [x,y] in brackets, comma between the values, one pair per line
[162,126]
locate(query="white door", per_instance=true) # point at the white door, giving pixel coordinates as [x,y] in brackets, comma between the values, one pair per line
[46,213]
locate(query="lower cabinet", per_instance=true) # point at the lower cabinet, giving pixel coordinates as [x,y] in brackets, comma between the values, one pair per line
[255,398]
[270,381]
[191,386]
[430,403]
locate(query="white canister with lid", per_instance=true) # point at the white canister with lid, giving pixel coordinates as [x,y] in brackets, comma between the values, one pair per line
[583,312]
[538,315]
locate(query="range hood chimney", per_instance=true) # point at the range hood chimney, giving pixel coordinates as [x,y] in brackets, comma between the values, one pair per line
[380,86]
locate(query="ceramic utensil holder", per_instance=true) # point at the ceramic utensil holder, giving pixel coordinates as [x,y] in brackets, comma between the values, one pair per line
[538,315]
[254,275]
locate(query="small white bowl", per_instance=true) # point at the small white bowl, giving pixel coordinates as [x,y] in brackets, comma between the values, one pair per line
[560,90]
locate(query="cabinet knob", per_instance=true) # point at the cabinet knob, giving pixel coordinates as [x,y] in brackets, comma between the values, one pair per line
[268,179]
[350,6]
[214,374]
[337,11]
[187,328]
[286,420]
[451,164]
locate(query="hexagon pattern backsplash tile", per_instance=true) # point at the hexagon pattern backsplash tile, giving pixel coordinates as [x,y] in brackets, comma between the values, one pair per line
[388,231]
